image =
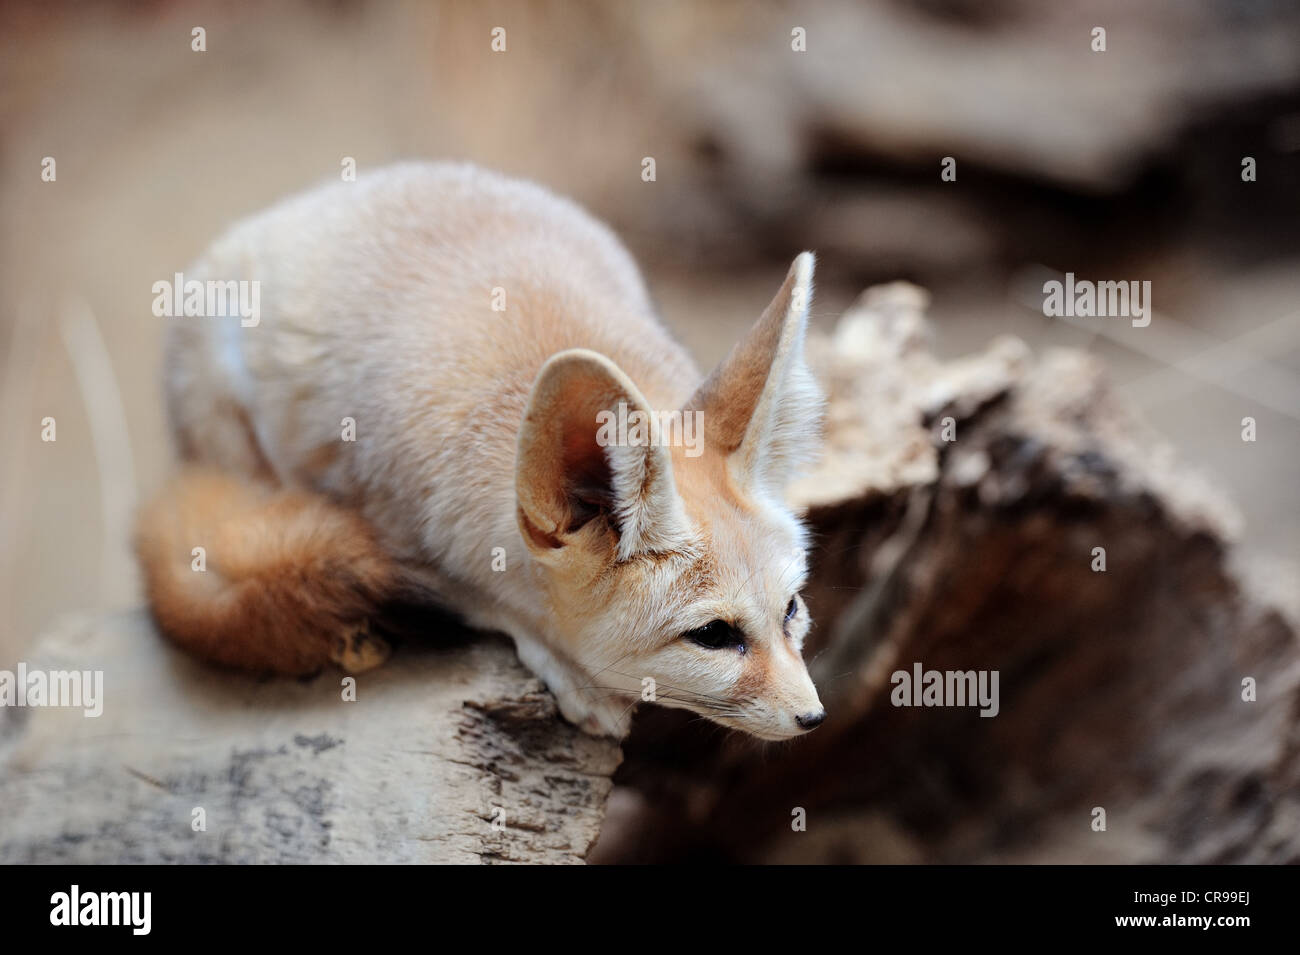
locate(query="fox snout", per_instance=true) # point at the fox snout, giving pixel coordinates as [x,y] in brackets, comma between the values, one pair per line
[747,677]
[795,707]
[764,691]
[809,716]
[777,722]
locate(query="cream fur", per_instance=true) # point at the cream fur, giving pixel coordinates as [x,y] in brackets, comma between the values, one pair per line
[376,305]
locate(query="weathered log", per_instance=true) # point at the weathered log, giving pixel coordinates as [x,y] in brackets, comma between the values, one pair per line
[1120,689]
[956,514]
[446,755]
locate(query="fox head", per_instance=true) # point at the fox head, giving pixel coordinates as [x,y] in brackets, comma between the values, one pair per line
[673,568]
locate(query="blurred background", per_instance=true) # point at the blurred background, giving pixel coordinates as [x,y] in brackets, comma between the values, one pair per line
[1123,164]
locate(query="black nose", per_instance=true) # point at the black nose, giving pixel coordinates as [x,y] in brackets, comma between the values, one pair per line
[811,720]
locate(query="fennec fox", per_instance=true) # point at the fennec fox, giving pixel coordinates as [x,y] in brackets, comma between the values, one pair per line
[457,382]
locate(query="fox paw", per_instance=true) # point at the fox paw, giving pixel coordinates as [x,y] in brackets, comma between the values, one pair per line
[359,650]
[596,717]
[596,710]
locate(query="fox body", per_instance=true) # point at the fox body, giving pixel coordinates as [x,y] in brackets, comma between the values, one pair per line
[418,406]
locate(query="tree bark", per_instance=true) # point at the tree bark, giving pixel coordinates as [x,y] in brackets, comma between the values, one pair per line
[957,515]
[1120,690]
[446,755]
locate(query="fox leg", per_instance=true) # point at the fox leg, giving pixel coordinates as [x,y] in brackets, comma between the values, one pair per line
[597,710]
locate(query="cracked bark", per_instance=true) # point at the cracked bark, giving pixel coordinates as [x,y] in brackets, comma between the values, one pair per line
[447,755]
[1119,690]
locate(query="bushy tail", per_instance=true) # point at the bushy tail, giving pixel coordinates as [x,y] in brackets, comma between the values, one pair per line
[286,581]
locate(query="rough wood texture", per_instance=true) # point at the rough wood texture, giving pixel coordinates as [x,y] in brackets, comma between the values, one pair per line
[415,770]
[1120,690]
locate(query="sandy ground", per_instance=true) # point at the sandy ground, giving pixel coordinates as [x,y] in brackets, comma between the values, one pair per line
[158,148]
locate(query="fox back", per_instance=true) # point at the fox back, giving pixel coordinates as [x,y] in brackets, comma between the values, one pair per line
[467,372]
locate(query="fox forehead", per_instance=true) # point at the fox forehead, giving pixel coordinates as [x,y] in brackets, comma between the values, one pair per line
[744,575]
[761,565]
[753,550]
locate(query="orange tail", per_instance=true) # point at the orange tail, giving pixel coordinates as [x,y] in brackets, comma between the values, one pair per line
[286,582]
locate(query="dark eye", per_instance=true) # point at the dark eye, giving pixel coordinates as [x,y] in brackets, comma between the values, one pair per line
[791,609]
[717,635]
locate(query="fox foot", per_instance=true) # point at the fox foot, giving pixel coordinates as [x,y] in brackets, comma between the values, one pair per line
[596,710]
[359,650]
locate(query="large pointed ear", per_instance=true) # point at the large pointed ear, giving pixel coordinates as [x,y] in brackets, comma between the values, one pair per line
[761,406]
[577,465]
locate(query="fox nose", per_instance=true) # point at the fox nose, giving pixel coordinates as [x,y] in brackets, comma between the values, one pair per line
[811,721]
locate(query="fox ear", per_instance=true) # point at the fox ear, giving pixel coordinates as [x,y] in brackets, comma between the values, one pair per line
[761,406]
[572,469]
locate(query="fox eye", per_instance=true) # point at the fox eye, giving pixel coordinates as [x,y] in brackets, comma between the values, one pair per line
[791,609]
[717,635]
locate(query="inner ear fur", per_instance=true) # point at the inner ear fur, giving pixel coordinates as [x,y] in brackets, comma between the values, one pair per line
[761,406]
[565,478]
